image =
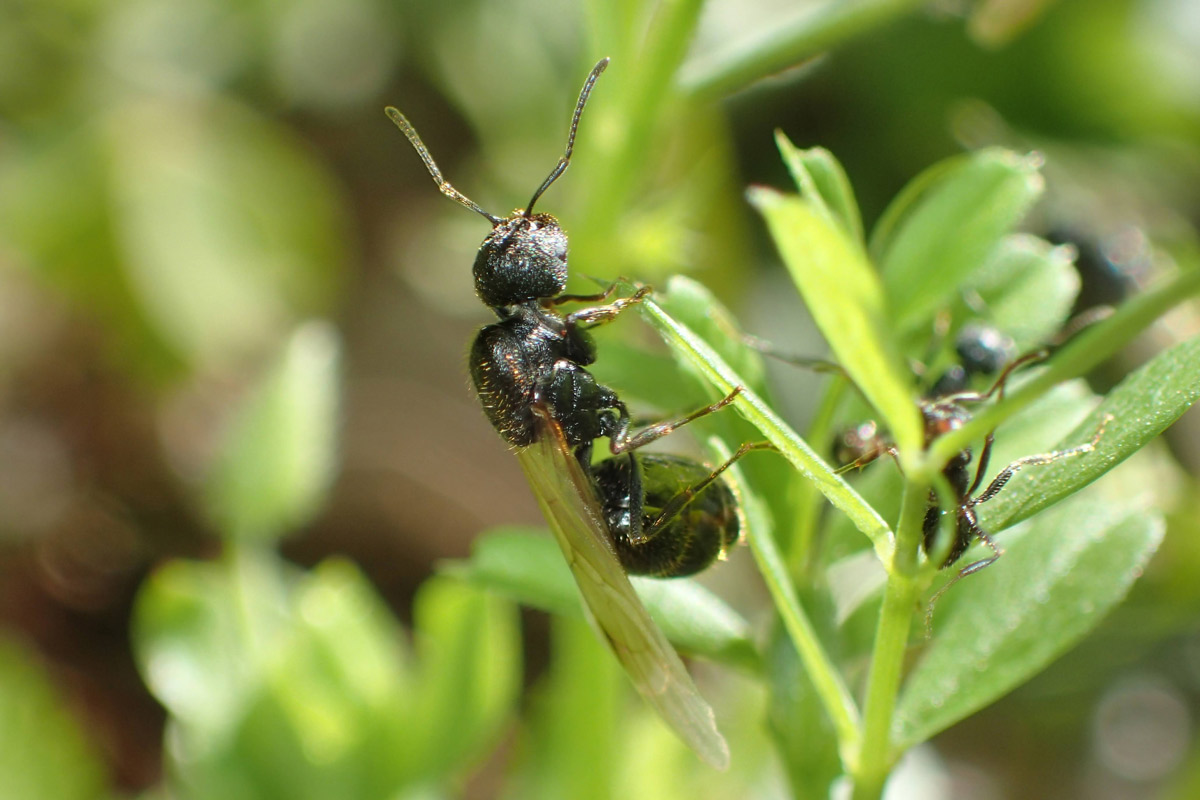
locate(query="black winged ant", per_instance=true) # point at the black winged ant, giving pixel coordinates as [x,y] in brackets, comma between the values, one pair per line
[665,516]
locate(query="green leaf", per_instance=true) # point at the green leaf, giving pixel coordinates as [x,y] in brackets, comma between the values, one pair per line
[43,752]
[1028,287]
[843,295]
[827,681]
[698,352]
[694,305]
[1141,406]
[468,648]
[285,684]
[938,239]
[529,567]
[190,633]
[821,179]
[575,721]
[1005,624]
[228,230]
[782,43]
[280,454]
[799,725]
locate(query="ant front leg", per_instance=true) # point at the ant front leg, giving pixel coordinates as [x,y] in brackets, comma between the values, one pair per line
[621,441]
[550,302]
[598,315]
[1007,473]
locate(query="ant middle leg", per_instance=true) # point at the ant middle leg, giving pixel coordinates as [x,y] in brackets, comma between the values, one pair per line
[669,516]
[968,520]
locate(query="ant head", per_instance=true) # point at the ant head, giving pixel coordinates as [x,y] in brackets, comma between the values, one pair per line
[523,258]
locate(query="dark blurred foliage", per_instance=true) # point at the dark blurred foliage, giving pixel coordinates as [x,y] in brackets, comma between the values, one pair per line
[182,183]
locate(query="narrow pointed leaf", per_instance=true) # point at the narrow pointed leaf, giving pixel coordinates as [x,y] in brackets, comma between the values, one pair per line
[843,294]
[1053,585]
[791,445]
[820,178]
[280,455]
[1141,407]
[947,233]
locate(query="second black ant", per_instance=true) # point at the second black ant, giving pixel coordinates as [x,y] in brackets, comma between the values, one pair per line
[945,407]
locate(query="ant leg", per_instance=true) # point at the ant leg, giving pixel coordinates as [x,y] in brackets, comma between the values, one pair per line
[680,501]
[1036,460]
[550,302]
[997,388]
[969,569]
[598,315]
[881,449]
[769,349]
[1080,322]
[637,532]
[621,441]
[985,455]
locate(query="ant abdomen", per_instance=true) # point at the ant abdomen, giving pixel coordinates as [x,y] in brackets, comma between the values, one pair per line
[690,538]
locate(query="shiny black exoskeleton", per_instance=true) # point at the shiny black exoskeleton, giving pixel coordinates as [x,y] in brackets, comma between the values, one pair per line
[941,416]
[982,349]
[689,536]
[677,516]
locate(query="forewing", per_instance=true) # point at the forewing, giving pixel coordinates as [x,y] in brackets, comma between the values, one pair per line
[573,512]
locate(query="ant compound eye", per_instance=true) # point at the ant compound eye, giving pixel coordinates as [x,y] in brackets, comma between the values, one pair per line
[523,259]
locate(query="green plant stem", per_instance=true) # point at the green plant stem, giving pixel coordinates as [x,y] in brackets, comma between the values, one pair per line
[249,578]
[839,493]
[648,96]
[874,759]
[1077,357]
[835,695]
[790,44]
[806,501]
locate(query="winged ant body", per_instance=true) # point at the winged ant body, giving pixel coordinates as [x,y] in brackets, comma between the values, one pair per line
[536,356]
[636,513]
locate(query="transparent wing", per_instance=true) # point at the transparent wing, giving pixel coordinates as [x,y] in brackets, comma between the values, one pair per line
[570,506]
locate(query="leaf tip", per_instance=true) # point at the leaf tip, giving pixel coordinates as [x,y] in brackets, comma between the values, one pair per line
[763,197]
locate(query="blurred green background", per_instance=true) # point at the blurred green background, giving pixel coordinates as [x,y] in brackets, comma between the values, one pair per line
[186,185]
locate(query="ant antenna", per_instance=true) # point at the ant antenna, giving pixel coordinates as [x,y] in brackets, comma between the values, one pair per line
[454,194]
[561,167]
